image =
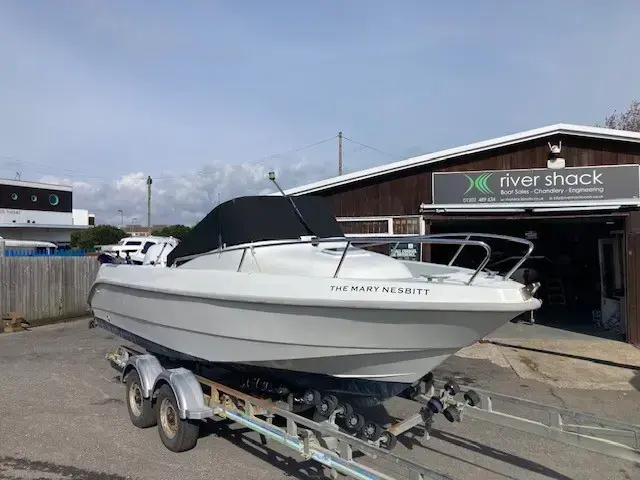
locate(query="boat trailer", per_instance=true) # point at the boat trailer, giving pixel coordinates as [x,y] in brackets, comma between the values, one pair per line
[176,400]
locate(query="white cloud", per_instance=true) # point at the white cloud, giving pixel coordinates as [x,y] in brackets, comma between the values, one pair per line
[99,97]
[185,198]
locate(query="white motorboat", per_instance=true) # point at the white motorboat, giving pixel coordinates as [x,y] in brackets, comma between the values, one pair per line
[134,249]
[273,288]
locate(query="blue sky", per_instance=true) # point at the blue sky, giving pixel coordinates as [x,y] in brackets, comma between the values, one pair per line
[101,94]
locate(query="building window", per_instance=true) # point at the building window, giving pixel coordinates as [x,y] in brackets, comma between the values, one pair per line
[355,227]
[406,226]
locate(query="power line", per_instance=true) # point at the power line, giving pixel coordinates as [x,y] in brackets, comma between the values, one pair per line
[269,157]
[58,170]
[370,147]
[8,160]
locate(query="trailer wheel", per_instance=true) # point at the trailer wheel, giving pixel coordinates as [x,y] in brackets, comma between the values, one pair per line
[176,434]
[141,411]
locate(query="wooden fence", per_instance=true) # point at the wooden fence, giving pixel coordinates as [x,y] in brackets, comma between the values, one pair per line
[43,289]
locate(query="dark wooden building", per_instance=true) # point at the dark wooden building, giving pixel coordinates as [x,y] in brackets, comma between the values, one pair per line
[573,190]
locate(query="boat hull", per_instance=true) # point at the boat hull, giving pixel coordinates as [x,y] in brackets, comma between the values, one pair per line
[381,343]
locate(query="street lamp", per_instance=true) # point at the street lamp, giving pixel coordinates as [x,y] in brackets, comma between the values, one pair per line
[121,217]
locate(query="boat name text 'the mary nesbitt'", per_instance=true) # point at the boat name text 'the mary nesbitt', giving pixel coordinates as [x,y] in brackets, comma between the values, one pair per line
[378,288]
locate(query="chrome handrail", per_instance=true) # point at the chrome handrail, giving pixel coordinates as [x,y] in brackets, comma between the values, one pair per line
[468,236]
[436,239]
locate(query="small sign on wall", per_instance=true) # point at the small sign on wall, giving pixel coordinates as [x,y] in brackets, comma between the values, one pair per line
[15,216]
[406,251]
[9,211]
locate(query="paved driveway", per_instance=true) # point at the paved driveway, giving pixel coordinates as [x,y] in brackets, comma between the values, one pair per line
[62,417]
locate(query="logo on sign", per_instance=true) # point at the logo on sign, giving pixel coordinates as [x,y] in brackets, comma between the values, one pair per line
[479,183]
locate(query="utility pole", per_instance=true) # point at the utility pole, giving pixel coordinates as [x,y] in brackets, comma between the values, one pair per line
[149,204]
[339,153]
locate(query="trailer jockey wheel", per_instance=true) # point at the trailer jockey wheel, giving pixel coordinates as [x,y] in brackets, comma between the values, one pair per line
[141,411]
[176,434]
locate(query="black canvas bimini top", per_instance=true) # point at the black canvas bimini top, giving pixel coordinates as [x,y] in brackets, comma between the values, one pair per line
[258,218]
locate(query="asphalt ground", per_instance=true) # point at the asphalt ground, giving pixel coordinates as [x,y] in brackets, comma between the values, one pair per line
[62,416]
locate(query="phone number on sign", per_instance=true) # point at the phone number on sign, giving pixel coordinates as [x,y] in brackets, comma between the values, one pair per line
[479,200]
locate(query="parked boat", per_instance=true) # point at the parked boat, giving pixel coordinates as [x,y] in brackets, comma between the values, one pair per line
[272,288]
[134,249]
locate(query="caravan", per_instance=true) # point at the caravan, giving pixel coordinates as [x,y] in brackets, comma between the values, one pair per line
[26,248]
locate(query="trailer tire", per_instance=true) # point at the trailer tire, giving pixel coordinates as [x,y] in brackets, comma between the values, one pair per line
[141,411]
[176,434]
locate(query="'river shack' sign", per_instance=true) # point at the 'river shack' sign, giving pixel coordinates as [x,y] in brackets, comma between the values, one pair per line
[544,185]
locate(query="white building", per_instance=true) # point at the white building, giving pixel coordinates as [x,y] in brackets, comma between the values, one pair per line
[40,211]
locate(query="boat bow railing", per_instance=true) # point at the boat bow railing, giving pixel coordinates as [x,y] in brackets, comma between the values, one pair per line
[460,239]
[468,236]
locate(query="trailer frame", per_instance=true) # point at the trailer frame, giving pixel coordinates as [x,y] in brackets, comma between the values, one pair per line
[194,398]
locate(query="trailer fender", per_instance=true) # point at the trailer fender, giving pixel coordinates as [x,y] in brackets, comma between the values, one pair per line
[148,368]
[188,393]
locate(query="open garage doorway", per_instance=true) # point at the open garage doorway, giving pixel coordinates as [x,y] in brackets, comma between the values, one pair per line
[579,263]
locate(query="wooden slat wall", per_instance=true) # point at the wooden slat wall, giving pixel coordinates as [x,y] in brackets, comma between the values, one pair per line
[46,288]
[402,193]
[633,277]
